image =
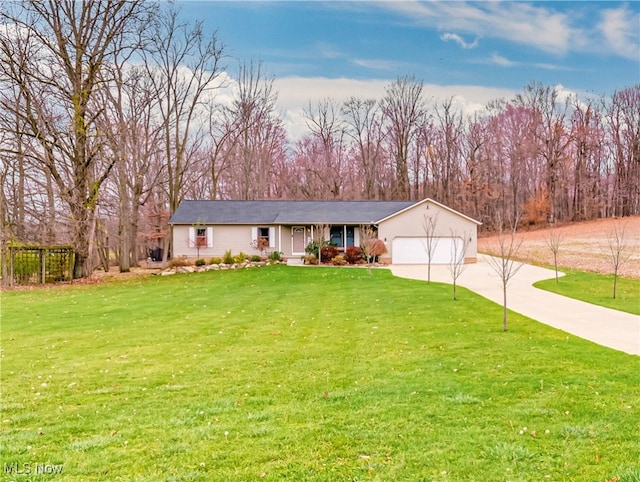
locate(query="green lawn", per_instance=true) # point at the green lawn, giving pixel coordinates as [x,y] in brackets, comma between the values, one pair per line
[284,373]
[597,289]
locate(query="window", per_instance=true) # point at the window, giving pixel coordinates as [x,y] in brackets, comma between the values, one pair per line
[336,236]
[200,237]
[351,236]
[268,234]
[263,233]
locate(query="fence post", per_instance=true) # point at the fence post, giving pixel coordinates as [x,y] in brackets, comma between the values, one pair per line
[43,265]
[11,266]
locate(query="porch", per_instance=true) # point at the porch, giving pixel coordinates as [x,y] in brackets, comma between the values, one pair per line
[340,236]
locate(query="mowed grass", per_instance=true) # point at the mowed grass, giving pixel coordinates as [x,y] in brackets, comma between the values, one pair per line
[286,373]
[597,289]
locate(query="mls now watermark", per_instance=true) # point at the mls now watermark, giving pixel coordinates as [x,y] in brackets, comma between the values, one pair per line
[35,468]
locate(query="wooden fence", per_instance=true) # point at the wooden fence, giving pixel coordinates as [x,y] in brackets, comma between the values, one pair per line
[36,265]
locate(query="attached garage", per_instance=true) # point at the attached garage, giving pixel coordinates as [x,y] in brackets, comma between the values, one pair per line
[405,235]
[414,250]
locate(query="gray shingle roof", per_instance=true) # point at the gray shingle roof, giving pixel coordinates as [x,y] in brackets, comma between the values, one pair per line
[285,212]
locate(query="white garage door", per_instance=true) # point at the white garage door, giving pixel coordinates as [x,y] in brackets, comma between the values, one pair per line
[414,250]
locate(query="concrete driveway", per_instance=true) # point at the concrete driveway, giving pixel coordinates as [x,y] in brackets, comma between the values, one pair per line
[607,327]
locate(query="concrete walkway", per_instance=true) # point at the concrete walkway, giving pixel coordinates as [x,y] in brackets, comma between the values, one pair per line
[607,327]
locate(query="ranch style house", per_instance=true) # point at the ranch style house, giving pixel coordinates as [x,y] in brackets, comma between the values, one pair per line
[209,228]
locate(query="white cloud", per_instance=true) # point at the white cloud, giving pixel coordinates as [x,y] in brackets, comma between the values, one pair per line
[564,94]
[382,64]
[553,27]
[541,25]
[328,50]
[523,23]
[459,40]
[620,29]
[497,59]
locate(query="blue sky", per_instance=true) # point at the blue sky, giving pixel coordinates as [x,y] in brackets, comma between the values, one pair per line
[472,50]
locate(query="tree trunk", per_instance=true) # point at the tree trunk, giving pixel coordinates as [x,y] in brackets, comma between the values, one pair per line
[133,243]
[504,307]
[124,241]
[50,237]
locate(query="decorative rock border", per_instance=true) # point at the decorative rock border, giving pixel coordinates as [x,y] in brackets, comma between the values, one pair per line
[216,267]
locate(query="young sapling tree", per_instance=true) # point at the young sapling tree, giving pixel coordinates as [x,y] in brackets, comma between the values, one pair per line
[617,252]
[318,240]
[429,224]
[554,240]
[367,237]
[505,265]
[458,250]
[261,245]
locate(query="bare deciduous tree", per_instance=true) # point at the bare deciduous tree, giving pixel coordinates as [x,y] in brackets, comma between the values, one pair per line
[184,65]
[624,142]
[367,238]
[403,109]
[259,136]
[364,127]
[219,148]
[458,251]
[327,144]
[553,241]
[617,251]
[587,132]
[448,144]
[319,238]
[505,265]
[429,224]
[133,141]
[55,57]
[552,140]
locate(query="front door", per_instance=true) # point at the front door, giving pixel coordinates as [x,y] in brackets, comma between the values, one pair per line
[297,240]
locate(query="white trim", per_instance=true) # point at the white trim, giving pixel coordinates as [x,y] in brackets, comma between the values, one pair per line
[254,234]
[209,237]
[272,236]
[192,237]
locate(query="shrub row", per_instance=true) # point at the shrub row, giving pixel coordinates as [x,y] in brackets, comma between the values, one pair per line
[331,254]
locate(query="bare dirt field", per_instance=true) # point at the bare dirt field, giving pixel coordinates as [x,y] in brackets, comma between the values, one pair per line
[583,246]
